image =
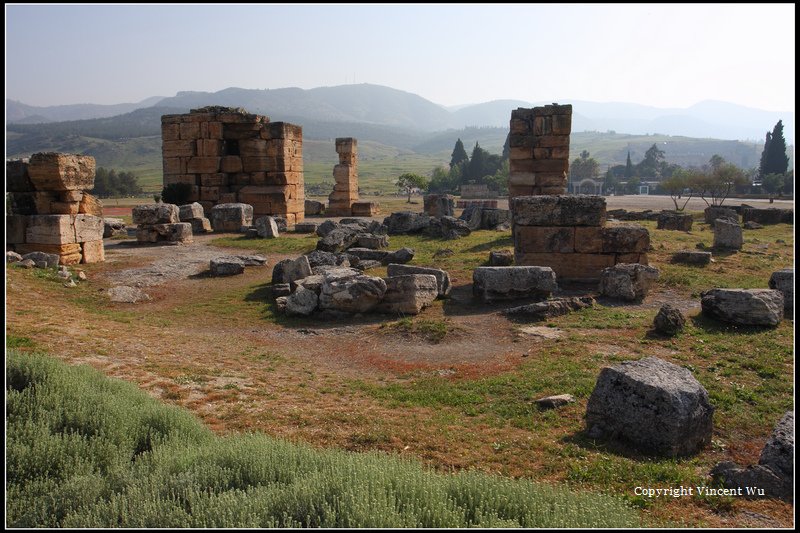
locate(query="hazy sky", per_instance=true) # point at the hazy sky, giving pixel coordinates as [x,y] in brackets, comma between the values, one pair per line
[659,55]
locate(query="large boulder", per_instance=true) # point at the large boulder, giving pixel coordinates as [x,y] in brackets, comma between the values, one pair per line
[408,294]
[442,277]
[783,280]
[655,405]
[306,227]
[351,293]
[439,205]
[295,269]
[368,254]
[508,283]
[406,222]
[53,171]
[745,307]
[301,302]
[492,218]
[231,217]
[727,234]
[156,214]
[627,281]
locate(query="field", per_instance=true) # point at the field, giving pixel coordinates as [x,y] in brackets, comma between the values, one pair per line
[452,387]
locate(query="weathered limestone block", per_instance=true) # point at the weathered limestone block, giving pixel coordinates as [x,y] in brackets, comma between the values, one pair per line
[492,218]
[442,277]
[88,228]
[778,452]
[550,308]
[155,214]
[93,252]
[301,302]
[626,281]
[713,212]
[403,255]
[200,225]
[669,320]
[352,294]
[768,216]
[267,228]
[17,179]
[373,242]
[50,229]
[42,259]
[128,295]
[408,294]
[439,205]
[177,232]
[554,402]
[64,208]
[368,254]
[783,280]
[447,227]
[406,222]
[306,227]
[12,257]
[558,239]
[745,307]
[90,205]
[473,216]
[319,258]
[113,227]
[569,266]
[657,406]
[625,238]
[365,209]
[674,222]
[691,257]
[231,217]
[500,258]
[227,266]
[338,239]
[189,211]
[313,207]
[52,171]
[507,283]
[295,269]
[578,210]
[727,235]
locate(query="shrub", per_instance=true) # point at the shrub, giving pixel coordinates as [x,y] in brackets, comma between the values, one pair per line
[176,193]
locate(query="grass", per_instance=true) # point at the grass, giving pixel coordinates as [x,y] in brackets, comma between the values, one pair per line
[86,451]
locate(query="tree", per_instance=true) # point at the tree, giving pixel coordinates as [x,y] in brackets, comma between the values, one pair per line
[675,186]
[772,183]
[408,182]
[584,167]
[716,162]
[632,187]
[651,165]
[443,181]
[628,167]
[717,184]
[773,158]
[459,154]
[611,181]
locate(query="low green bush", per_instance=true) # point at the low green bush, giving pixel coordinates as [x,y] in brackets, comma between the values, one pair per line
[87,451]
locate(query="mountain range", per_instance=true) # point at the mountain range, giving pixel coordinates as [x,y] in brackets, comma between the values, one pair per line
[375,105]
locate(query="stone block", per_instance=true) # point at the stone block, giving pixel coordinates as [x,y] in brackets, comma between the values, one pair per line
[52,171]
[231,217]
[578,210]
[267,228]
[64,208]
[559,239]
[200,225]
[90,205]
[744,307]
[508,283]
[231,164]
[88,228]
[155,214]
[692,257]
[178,149]
[624,281]
[727,235]
[439,205]
[625,238]
[442,277]
[17,179]
[226,266]
[189,211]
[50,229]
[93,252]
[781,280]
[675,222]
[569,267]
[189,130]
[408,294]
[16,226]
[202,165]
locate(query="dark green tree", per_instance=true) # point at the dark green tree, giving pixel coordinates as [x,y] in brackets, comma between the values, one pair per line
[477,163]
[651,165]
[408,182]
[773,158]
[584,167]
[628,167]
[459,154]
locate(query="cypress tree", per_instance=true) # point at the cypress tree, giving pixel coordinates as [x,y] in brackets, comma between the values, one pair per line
[459,154]
[774,157]
[629,166]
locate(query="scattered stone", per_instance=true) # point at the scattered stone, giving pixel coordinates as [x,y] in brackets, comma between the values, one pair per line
[125,294]
[64,274]
[230,217]
[727,235]
[13,257]
[313,207]
[296,269]
[301,302]
[472,216]
[42,260]
[365,209]
[373,242]
[200,225]
[541,331]
[113,227]
[496,219]
[253,260]
[745,307]
[675,221]
[443,252]
[366,264]
[227,266]
[447,227]
[70,283]
[406,222]
[408,294]
[442,277]
[690,257]
[306,227]
[783,280]
[627,281]
[401,256]
[713,212]
[326,227]
[501,258]
[778,452]
[768,216]
[439,205]
[669,320]
[368,254]
[338,240]
[657,406]
[508,283]
[281,222]
[25,263]
[553,402]
[280,304]
[281,289]
[351,294]
[191,211]
[150,214]
[752,225]
[319,258]
[82,275]
[250,233]
[267,228]
[550,308]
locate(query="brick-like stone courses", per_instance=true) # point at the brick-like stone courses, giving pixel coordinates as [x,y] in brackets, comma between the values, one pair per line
[539,150]
[345,190]
[50,209]
[228,155]
[569,235]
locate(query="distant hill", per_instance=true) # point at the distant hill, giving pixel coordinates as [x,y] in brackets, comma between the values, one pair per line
[377,105]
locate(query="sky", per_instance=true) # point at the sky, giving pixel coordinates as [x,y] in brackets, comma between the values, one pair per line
[665,55]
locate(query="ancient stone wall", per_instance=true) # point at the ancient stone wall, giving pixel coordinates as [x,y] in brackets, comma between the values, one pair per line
[569,234]
[345,190]
[228,155]
[539,150]
[50,210]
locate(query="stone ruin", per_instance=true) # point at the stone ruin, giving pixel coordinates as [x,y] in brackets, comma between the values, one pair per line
[50,210]
[345,190]
[539,150]
[567,233]
[228,155]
